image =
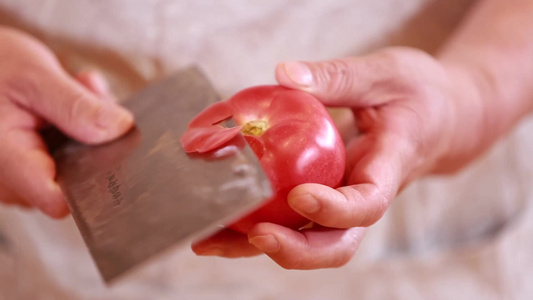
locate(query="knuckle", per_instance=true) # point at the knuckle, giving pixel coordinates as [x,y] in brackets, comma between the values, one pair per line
[365,204]
[382,203]
[377,209]
[401,64]
[299,260]
[75,107]
[336,77]
[400,57]
[21,90]
[395,60]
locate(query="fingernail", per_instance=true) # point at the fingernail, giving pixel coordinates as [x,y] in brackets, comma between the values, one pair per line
[110,116]
[211,252]
[306,204]
[265,243]
[299,73]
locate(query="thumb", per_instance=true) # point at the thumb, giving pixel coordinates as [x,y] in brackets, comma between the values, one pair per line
[68,105]
[341,82]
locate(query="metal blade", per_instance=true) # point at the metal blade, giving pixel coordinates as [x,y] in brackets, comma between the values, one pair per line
[139,195]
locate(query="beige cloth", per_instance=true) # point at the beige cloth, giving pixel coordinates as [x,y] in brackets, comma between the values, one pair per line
[463,237]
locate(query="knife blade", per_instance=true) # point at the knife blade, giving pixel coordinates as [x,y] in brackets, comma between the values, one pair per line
[138,196]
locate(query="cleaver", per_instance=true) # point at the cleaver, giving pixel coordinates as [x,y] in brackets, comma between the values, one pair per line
[140,195]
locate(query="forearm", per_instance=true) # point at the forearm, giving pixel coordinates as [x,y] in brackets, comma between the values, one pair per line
[493,51]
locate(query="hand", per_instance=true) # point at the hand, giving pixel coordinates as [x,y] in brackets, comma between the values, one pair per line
[409,109]
[416,114]
[36,92]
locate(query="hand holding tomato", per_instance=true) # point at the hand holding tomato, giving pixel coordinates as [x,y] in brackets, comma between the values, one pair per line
[416,115]
[411,110]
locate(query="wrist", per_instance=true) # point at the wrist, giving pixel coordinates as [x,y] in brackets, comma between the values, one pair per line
[491,96]
[472,125]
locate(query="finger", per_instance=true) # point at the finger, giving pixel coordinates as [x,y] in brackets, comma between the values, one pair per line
[306,249]
[29,170]
[7,196]
[350,81]
[95,82]
[374,181]
[16,201]
[225,243]
[62,101]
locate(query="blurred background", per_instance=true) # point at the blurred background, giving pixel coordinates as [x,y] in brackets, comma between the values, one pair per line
[461,237]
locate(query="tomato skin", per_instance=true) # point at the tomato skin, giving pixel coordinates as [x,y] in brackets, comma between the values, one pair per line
[297,143]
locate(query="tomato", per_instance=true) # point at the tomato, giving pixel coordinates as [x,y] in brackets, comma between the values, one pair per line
[291,133]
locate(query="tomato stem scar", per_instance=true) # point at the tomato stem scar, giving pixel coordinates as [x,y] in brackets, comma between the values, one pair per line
[255,127]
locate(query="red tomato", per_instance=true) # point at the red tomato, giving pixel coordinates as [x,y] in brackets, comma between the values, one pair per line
[291,133]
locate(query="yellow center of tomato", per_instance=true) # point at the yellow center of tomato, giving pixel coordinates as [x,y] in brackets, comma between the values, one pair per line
[255,127]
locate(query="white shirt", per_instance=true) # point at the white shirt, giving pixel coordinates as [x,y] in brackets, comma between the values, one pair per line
[463,237]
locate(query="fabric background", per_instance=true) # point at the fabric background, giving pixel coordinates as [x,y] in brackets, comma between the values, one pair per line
[462,237]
